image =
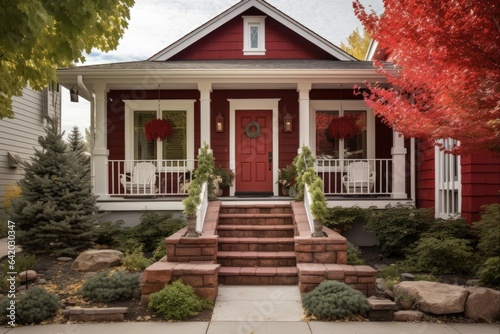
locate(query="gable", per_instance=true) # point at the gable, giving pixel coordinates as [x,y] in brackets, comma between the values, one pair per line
[217,39]
[226,43]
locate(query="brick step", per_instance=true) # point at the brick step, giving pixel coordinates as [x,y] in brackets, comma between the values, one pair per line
[256,218]
[258,275]
[256,244]
[258,231]
[256,259]
[256,208]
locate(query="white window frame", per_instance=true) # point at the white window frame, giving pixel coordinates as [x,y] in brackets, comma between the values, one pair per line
[342,107]
[248,23]
[445,189]
[152,105]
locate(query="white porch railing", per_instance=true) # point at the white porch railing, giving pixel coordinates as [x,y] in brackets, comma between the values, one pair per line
[140,178]
[307,205]
[355,176]
[202,208]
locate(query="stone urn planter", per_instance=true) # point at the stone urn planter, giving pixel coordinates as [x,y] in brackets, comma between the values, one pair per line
[318,229]
[191,227]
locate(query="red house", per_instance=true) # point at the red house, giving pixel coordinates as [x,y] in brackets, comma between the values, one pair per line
[256,86]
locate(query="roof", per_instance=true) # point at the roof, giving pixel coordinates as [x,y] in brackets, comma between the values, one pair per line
[255,64]
[238,9]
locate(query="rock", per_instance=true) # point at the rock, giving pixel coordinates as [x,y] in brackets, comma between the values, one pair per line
[64,259]
[407,277]
[408,316]
[436,298]
[42,281]
[28,275]
[472,282]
[483,304]
[381,304]
[95,260]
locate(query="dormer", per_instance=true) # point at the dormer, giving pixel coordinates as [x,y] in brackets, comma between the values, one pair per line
[254,35]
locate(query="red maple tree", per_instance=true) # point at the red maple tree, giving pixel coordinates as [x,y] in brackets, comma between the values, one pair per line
[445,69]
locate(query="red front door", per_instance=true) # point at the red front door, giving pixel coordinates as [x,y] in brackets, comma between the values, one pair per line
[254,152]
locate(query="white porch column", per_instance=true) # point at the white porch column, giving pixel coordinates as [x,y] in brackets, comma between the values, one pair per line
[205,89]
[398,152]
[100,152]
[304,117]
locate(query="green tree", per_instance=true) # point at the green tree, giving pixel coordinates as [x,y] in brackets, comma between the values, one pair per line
[56,211]
[78,145]
[38,36]
[357,45]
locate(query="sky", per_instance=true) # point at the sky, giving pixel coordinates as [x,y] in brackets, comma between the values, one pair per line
[155,24]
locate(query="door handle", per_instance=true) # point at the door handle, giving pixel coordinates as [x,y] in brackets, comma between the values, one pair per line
[270,159]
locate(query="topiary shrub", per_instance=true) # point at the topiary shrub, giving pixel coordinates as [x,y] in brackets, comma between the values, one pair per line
[177,301]
[35,306]
[333,300]
[104,287]
[489,272]
[399,228]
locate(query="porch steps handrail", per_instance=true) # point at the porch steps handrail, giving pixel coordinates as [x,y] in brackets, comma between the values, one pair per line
[201,212]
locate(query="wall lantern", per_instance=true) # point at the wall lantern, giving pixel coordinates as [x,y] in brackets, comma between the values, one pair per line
[287,123]
[219,123]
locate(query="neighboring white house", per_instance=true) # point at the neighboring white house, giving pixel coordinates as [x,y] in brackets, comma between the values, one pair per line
[19,135]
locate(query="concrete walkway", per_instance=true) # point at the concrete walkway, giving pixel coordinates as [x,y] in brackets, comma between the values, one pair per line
[257,310]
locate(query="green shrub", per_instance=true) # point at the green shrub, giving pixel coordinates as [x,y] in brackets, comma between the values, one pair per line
[153,228]
[24,262]
[160,251]
[104,287]
[339,218]
[443,256]
[136,261]
[489,272]
[394,270]
[35,306]
[3,228]
[399,228]
[488,231]
[177,301]
[109,233]
[353,255]
[449,228]
[333,300]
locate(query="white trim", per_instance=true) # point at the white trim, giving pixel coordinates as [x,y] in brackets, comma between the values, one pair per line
[248,23]
[254,104]
[446,205]
[165,105]
[342,106]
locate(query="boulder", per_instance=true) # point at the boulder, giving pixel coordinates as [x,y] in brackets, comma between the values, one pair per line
[483,304]
[408,316]
[95,260]
[436,298]
[28,275]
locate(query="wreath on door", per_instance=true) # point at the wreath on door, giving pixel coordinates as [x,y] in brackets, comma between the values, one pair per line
[252,130]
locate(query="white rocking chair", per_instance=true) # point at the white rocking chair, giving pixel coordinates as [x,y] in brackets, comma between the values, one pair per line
[142,181]
[359,179]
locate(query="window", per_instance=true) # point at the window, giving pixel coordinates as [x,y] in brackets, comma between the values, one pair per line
[180,146]
[448,181]
[361,146]
[254,35]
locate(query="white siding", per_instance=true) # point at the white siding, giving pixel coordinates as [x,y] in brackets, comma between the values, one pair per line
[19,135]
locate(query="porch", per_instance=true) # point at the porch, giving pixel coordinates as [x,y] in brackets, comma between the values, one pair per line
[167,185]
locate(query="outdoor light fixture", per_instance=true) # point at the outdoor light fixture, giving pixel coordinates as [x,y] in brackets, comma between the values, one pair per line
[287,123]
[219,123]
[73,95]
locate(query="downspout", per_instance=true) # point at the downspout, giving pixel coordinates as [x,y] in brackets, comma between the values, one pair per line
[91,97]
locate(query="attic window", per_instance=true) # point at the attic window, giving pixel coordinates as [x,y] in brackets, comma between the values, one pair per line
[254,42]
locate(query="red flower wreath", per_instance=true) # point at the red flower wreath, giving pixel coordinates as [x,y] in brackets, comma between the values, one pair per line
[158,129]
[343,127]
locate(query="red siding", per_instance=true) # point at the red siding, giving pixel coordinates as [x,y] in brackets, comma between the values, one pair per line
[425,178]
[480,183]
[226,42]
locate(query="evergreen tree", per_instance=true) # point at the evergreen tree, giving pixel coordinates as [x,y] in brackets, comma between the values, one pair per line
[77,145]
[56,210]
